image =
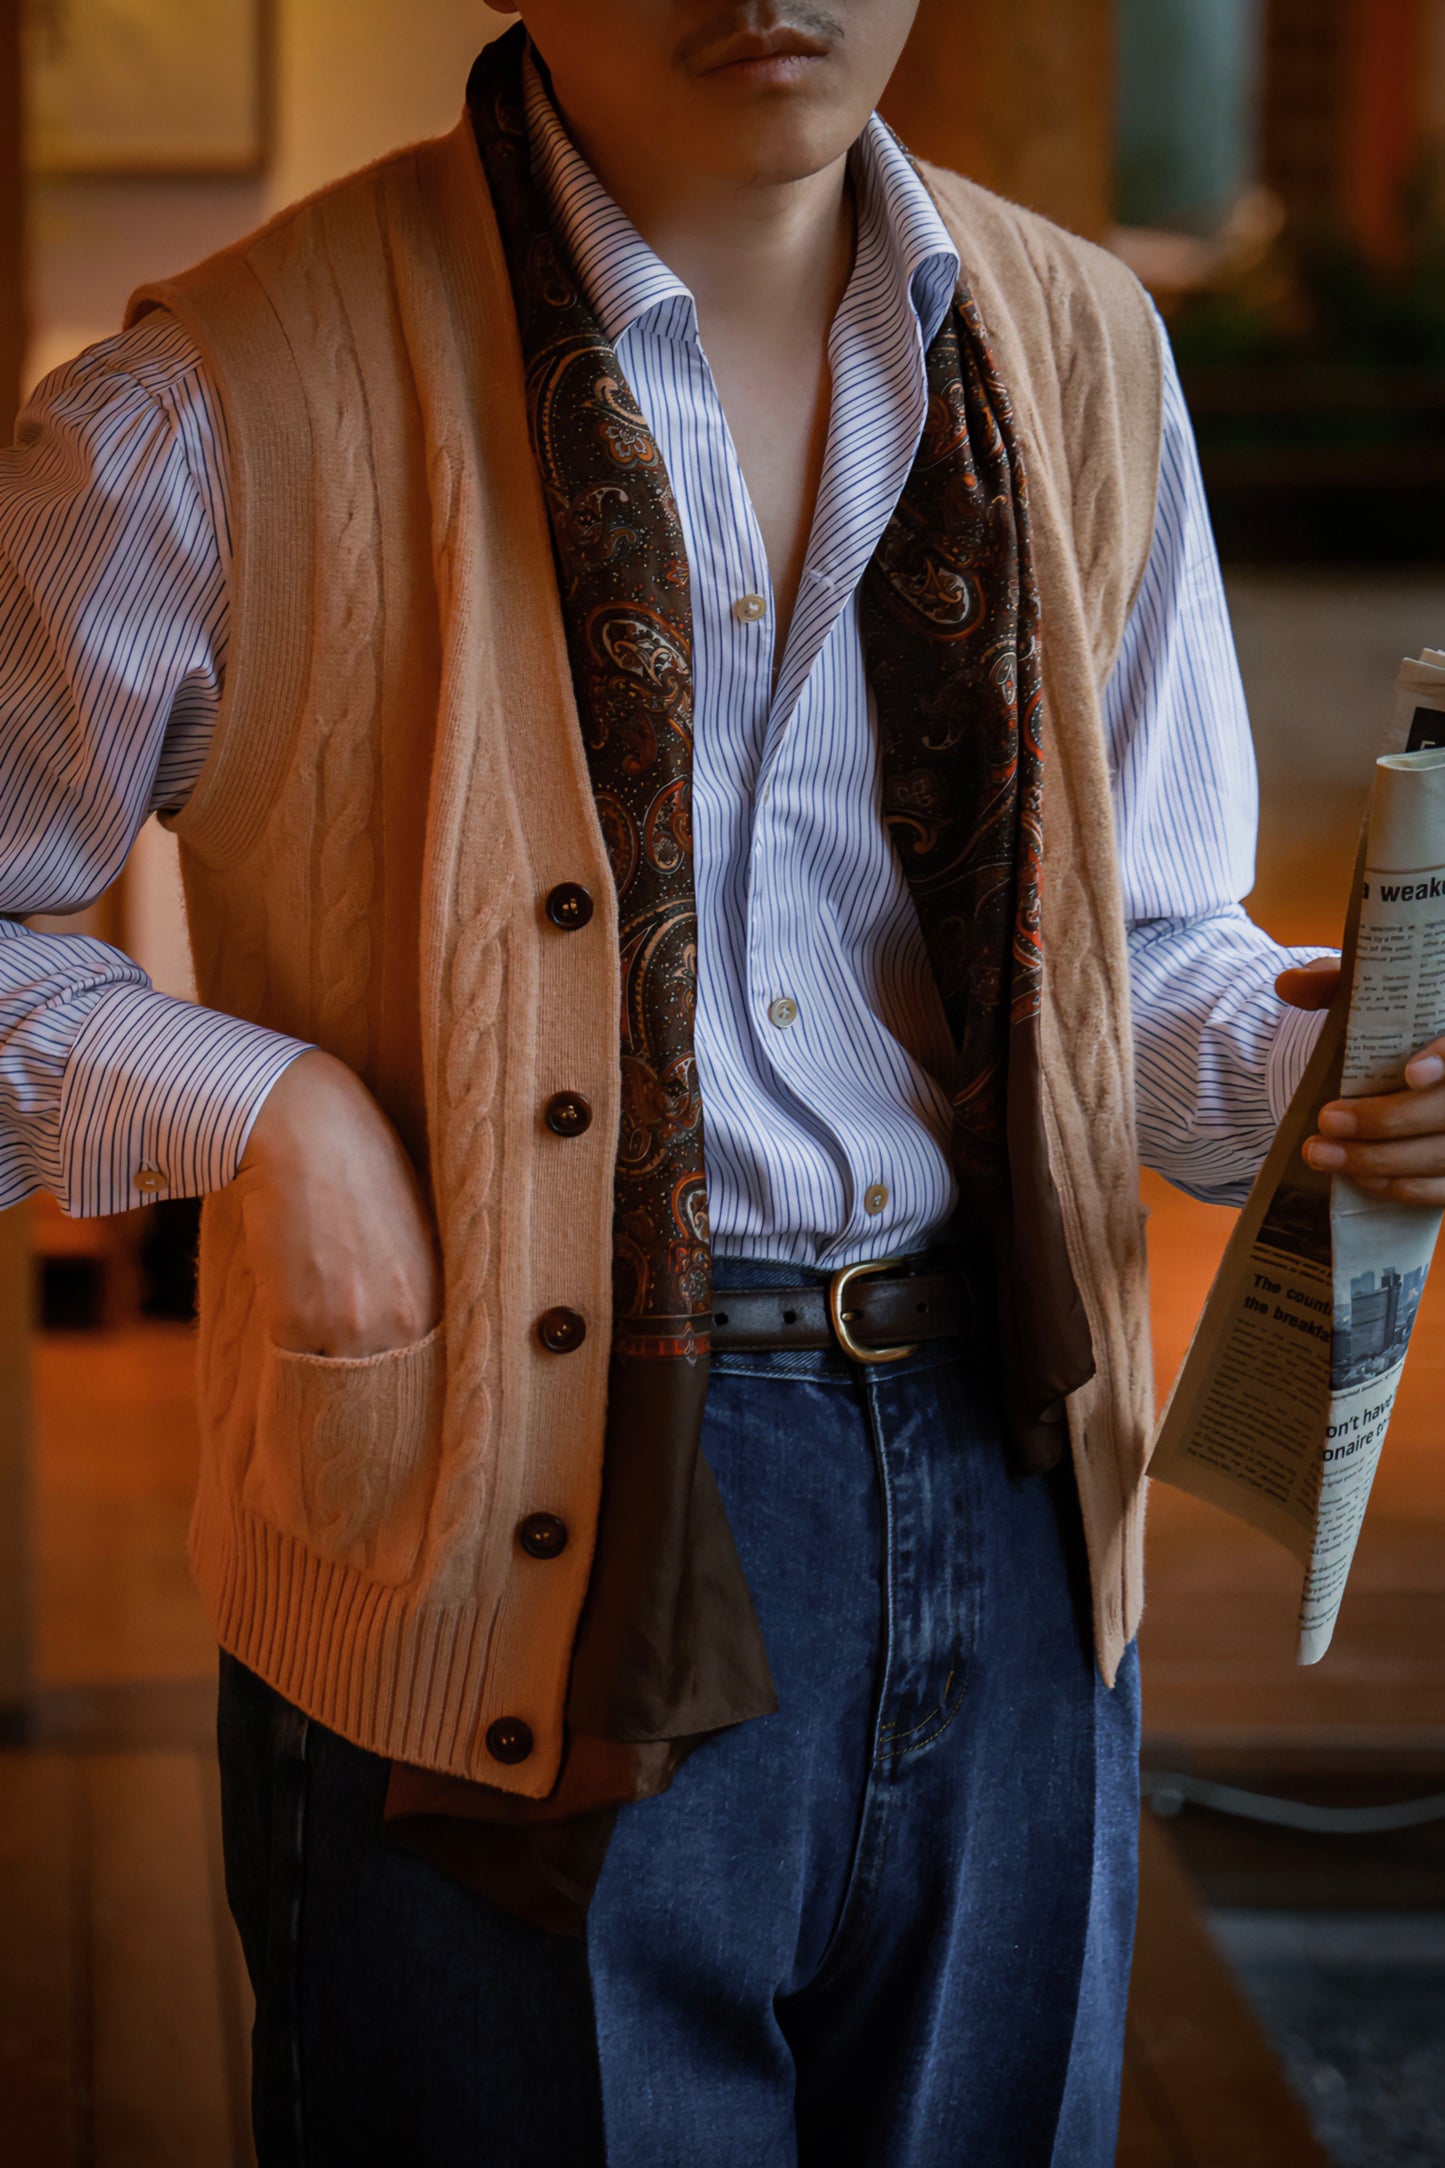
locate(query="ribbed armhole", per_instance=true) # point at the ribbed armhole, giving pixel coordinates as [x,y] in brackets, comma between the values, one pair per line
[224,307]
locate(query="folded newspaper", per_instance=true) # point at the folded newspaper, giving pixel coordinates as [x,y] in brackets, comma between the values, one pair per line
[1280,1411]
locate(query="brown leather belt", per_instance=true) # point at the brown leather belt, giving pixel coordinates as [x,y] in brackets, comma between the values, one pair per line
[876,1312]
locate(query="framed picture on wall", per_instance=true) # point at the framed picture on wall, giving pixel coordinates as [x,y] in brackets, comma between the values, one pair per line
[147,86]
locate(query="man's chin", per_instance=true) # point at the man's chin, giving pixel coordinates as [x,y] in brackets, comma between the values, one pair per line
[771,144]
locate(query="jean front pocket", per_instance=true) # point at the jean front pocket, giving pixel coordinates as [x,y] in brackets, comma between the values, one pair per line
[346,1451]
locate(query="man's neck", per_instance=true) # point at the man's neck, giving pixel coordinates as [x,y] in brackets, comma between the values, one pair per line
[746,254]
[767,266]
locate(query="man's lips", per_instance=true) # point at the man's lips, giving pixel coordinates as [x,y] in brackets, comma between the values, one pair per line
[762,51]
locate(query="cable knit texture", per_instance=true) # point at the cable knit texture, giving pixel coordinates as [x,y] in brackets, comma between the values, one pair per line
[396,783]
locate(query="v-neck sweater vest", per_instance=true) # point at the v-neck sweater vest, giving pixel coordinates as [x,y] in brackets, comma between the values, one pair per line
[395,788]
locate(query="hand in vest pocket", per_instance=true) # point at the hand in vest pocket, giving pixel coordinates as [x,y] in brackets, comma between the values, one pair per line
[346,1451]
[337,1234]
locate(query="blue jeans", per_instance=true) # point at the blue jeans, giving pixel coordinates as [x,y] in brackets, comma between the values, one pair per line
[889,1926]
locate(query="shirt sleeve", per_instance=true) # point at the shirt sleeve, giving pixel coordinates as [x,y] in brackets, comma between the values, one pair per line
[114,554]
[1218,1054]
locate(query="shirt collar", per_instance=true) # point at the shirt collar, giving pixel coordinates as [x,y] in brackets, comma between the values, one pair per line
[922,262]
[619,274]
[624,280]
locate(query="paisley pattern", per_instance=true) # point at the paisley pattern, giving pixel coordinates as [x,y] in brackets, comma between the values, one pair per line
[623,575]
[949,615]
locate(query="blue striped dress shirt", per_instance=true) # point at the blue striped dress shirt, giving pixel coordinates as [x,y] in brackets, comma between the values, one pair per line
[822,1048]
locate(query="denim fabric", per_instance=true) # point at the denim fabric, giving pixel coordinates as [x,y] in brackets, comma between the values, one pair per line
[888,1927]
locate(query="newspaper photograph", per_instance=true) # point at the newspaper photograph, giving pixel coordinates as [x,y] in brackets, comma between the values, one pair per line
[1281,1408]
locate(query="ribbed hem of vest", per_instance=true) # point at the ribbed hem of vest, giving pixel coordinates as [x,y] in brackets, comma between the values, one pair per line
[368,1661]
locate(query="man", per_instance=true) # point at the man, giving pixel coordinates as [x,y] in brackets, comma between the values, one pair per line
[658,455]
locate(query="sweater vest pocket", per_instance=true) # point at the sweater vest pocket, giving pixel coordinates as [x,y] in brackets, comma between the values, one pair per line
[346,1451]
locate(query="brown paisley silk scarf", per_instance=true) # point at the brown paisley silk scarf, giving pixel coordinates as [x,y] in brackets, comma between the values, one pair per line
[669,1649]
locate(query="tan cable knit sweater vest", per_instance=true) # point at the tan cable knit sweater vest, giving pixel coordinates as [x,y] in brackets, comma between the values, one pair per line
[396,786]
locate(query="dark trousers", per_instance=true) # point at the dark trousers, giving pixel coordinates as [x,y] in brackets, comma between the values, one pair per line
[888,1926]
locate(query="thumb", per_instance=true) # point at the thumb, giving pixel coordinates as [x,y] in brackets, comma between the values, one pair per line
[1310,986]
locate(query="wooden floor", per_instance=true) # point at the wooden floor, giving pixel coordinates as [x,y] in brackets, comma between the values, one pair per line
[123,2006]
[1202,2088]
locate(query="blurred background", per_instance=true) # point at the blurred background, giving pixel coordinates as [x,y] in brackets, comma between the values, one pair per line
[1275,171]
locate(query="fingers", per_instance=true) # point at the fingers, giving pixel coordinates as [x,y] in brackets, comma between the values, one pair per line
[1310,986]
[1392,1144]
[1427,1068]
[1391,1114]
[1388,1162]
[337,1231]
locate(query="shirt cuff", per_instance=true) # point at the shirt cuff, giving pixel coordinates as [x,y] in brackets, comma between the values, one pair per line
[159,1100]
[1289,1055]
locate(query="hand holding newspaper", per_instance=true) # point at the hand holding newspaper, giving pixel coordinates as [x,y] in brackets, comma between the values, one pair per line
[1280,1410]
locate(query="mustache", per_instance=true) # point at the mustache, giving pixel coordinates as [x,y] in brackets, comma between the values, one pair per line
[728,22]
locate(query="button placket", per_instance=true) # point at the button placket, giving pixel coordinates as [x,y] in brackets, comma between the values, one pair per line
[769,952]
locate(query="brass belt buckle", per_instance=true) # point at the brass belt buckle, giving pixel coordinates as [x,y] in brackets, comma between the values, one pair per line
[839,1318]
